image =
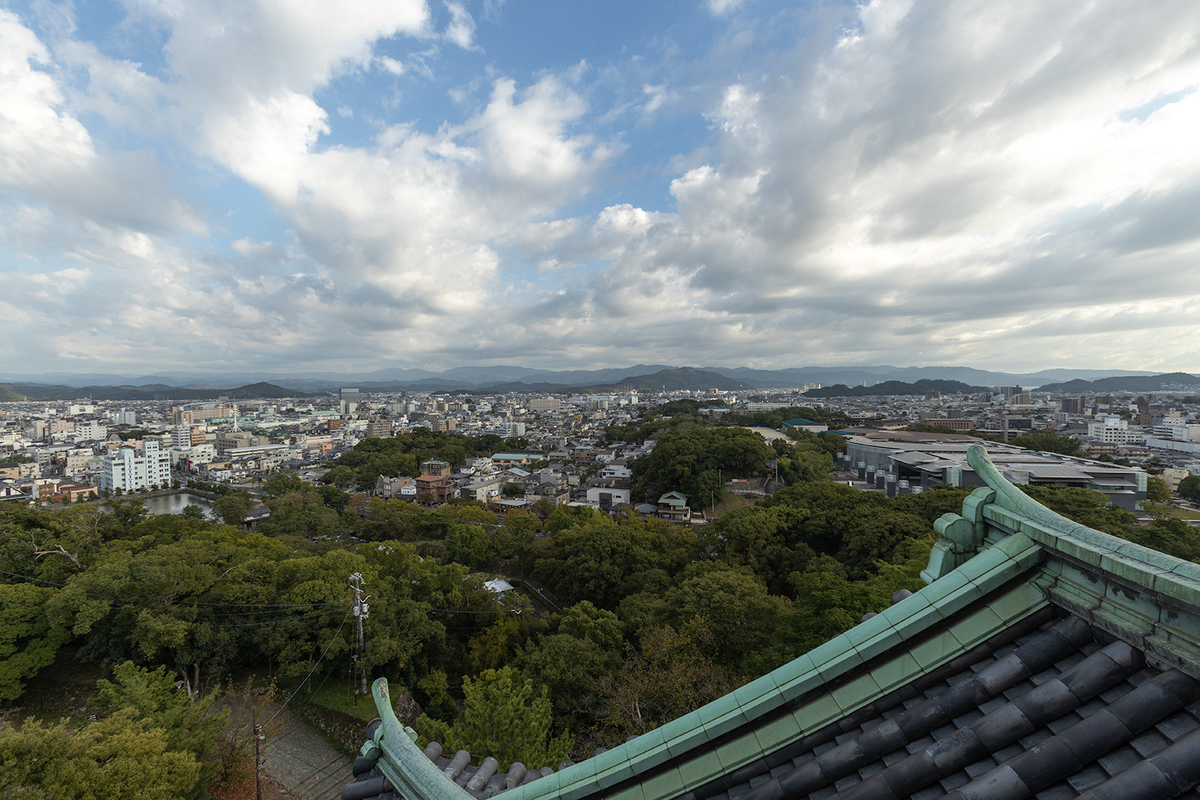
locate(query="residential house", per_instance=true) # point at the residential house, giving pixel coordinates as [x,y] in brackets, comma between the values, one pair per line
[673,507]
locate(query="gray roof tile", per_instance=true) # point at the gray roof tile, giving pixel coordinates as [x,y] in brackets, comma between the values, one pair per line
[1065,722]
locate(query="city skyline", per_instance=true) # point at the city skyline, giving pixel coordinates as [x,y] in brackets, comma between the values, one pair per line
[267,187]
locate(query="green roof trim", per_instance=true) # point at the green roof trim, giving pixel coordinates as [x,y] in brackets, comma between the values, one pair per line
[1146,598]
[399,758]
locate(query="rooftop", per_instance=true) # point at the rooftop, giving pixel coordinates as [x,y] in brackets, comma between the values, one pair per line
[1043,659]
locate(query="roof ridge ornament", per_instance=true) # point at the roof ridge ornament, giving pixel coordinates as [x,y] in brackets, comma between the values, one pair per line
[1010,496]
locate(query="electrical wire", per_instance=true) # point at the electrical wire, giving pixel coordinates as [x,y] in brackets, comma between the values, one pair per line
[267,605]
[31,579]
[277,621]
[456,611]
[264,608]
[280,610]
[314,667]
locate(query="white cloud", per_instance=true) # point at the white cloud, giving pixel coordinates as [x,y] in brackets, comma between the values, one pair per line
[461,30]
[390,64]
[47,153]
[719,8]
[921,183]
[35,137]
[655,97]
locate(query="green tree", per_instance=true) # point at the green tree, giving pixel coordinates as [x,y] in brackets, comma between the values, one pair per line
[667,677]
[469,545]
[341,476]
[192,511]
[301,514]
[519,530]
[735,609]
[75,534]
[188,721]
[28,640]
[121,756]
[1189,488]
[493,648]
[503,717]
[127,514]
[1049,441]
[573,662]
[281,483]
[333,497]
[695,460]
[1157,490]
[232,508]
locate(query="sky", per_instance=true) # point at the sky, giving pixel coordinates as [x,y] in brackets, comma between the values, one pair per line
[297,185]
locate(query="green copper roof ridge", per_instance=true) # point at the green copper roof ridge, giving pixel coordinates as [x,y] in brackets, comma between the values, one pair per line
[1011,497]
[1141,565]
[406,766]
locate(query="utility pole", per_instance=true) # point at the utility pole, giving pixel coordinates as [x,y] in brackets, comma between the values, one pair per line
[258,761]
[361,610]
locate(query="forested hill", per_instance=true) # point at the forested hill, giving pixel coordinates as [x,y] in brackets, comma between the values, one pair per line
[895,388]
[1128,383]
[17,392]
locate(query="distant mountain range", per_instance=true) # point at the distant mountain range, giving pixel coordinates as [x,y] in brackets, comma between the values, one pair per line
[15,392]
[495,378]
[671,380]
[1129,383]
[836,382]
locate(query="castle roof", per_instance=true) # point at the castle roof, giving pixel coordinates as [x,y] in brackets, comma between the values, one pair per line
[1043,659]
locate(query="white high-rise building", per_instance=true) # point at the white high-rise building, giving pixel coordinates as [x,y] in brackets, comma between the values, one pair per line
[92,430]
[181,436]
[130,470]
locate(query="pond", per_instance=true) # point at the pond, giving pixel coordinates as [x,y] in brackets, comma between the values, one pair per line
[174,503]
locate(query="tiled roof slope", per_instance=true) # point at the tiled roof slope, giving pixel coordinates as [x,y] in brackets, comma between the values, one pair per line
[1045,659]
[1049,716]
[482,781]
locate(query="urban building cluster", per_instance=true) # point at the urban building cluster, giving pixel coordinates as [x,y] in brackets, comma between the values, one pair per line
[555,449]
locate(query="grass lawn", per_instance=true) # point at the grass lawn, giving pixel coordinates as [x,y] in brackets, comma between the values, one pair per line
[329,690]
[729,502]
[1171,511]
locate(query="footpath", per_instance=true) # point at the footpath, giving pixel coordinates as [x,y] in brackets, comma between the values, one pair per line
[302,764]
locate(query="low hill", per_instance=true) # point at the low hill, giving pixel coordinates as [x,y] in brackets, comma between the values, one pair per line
[1127,383]
[896,388]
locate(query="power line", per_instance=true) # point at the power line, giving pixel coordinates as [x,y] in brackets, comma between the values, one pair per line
[310,672]
[280,610]
[265,607]
[278,621]
[31,579]
[456,611]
